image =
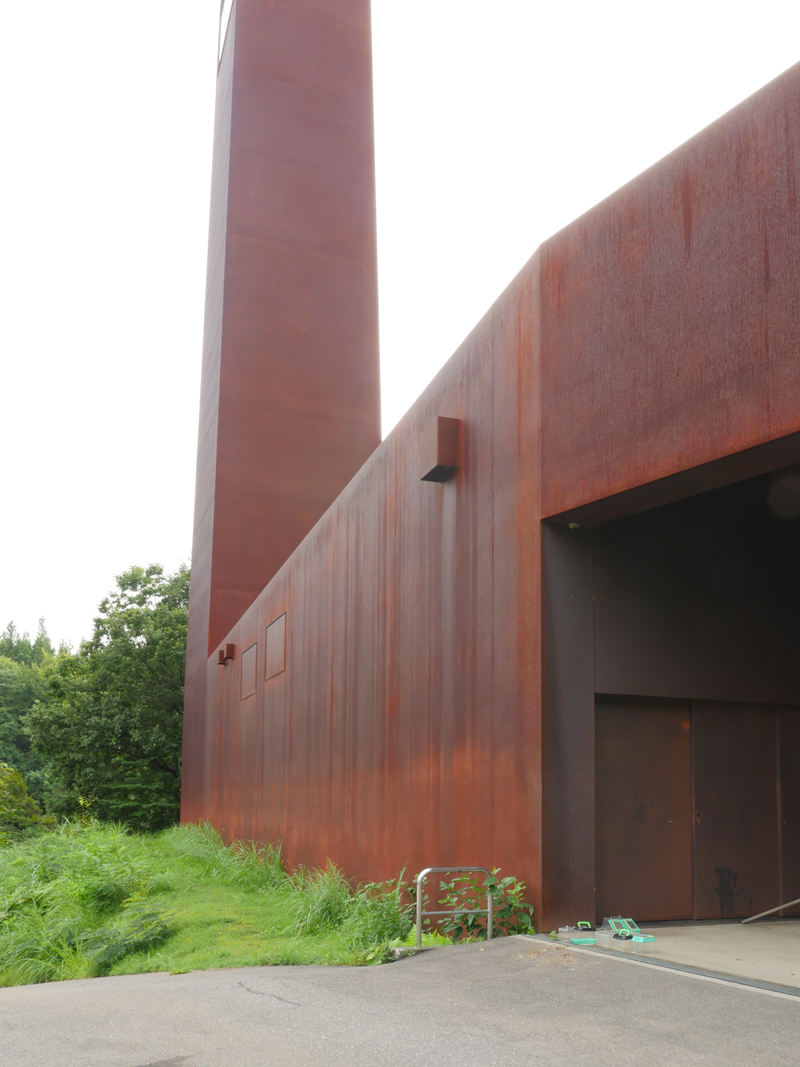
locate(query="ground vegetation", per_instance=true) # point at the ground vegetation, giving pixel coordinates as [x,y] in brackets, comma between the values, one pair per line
[94,899]
[90,899]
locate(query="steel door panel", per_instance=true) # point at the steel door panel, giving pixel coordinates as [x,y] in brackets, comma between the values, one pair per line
[735,809]
[789,734]
[643,808]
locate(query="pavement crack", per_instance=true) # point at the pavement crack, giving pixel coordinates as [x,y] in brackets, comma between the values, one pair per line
[274,996]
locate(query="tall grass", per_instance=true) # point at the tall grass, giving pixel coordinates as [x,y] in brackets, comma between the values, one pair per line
[74,902]
[242,864]
[369,918]
[87,900]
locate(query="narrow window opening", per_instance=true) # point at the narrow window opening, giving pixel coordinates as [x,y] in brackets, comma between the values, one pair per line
[276,646]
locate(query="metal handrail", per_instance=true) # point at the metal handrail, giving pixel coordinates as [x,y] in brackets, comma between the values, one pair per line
[488,911]
[780,907]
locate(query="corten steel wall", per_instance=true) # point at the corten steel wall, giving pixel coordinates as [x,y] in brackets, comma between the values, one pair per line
[438,701]
[670,332]
[671,313]
[405,727]
[290,405]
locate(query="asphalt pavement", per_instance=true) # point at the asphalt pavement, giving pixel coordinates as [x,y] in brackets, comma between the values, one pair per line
[513,1002]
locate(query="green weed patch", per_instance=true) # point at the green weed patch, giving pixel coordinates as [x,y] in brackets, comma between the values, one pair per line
[92,900]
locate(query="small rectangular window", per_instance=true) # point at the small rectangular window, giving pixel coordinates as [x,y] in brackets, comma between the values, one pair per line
[249,660]
[276,646]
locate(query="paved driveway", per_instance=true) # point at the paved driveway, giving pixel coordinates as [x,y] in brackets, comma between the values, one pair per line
[513,1002]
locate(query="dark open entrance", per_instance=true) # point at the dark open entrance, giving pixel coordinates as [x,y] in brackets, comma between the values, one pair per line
[697,635]
[684,622]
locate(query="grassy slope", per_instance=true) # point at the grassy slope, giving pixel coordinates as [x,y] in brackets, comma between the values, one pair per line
[96,900]
[223,925]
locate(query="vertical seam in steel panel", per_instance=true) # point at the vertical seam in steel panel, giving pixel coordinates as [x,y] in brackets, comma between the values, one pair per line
[538,357]
[493,366]
[594,733]
[778,800]
[693,807]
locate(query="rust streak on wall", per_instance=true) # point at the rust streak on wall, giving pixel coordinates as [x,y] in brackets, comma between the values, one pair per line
[391,734]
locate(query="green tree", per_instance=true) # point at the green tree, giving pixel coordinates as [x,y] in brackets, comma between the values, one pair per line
[110,722]
[22,662]
[19,647]
[20,688]
[19,814]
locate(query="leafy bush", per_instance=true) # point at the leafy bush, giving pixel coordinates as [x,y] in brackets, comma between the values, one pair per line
[467,893]
[19,814]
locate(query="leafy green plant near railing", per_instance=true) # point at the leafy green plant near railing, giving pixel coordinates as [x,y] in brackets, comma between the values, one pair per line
[467,893]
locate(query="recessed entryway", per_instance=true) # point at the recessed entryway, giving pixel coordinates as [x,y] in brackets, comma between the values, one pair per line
[697,812]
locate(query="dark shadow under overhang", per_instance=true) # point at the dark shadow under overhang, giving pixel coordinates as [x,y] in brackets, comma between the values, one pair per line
[761,459]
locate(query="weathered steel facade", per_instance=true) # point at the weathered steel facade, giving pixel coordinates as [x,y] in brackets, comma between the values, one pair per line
[444,669]
[290,404]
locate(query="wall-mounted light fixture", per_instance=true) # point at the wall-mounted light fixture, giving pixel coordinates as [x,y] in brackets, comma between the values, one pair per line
[438,447]
[230,651]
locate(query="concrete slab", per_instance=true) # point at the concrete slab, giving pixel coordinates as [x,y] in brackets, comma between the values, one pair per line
[516,1002]
[765,951]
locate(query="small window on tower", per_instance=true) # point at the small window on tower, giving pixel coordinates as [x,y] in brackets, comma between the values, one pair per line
[249,659]
[276,646]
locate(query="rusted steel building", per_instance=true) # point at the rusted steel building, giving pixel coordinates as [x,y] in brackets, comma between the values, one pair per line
[551,622]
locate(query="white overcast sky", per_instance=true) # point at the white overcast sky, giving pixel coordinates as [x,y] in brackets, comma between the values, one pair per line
[496,124]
